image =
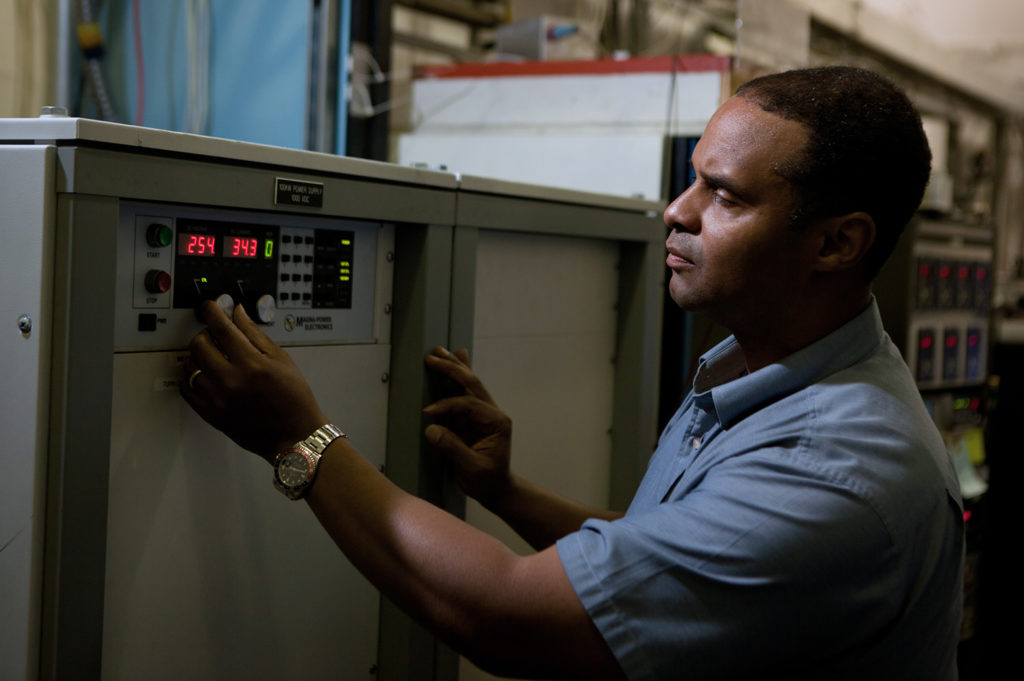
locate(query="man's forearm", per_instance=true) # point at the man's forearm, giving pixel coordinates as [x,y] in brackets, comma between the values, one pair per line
[510,614]
[540,516]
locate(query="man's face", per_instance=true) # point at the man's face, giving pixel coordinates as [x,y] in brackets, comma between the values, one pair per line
[732,251]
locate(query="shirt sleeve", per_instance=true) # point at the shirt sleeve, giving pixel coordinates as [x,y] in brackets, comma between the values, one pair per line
[761,563]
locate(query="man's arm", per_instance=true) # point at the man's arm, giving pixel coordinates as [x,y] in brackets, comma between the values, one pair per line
[477,441]
[509,614]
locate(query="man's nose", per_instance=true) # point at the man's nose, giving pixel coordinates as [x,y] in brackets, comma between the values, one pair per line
[681,214]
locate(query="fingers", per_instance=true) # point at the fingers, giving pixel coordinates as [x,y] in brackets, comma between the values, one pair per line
[260,340]
[469,406]
[194,387]
[456,367]
[461,454]
[205,354]
[226,339]
[229,336]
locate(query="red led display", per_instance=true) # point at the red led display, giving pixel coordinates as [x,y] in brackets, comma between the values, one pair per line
[240,247]
[197,244]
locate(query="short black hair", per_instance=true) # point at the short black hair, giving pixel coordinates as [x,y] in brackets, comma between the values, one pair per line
[866,149]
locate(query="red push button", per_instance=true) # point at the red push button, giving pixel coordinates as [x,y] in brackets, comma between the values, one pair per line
[158,281]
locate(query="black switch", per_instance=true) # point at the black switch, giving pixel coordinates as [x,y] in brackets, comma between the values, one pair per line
[147,322]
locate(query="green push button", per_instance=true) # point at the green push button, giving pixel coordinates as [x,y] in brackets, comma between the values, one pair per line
[159,235]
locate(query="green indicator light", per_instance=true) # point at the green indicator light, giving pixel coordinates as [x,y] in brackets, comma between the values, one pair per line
[343,278]
[346,242]
[345,263]
[166,236]
[159,235]
[345,270]
[203,279]
[268,250]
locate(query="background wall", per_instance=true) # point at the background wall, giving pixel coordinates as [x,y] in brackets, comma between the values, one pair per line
[255,85]
[27,65]
[257,70]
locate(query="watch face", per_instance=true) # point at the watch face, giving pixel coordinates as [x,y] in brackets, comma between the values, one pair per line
[294,468]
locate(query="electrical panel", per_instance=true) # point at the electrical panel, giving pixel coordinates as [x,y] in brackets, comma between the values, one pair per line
[935,296]
[302,278]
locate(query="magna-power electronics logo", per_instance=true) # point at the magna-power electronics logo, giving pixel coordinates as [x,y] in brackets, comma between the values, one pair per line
[309,322]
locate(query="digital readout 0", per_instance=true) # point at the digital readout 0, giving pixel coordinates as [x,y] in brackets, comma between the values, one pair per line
[190,243]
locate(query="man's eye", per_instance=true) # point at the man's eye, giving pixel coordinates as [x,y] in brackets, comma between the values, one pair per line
[719,199]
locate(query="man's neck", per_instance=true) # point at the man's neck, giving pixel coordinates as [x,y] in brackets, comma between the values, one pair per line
[795,328]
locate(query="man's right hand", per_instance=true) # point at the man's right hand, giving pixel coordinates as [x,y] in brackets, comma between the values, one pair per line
[475,435]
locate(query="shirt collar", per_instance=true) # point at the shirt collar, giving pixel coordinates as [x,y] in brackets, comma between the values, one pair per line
[722,380]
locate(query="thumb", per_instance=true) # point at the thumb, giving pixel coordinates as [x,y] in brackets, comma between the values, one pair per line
[449,443]
[439,436]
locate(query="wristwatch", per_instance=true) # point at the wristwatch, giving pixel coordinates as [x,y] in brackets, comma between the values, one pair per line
[295,468]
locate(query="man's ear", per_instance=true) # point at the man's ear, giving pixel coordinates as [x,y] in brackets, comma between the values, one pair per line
[843,241]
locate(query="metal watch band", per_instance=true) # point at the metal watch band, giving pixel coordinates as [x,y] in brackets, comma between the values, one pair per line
[322,436]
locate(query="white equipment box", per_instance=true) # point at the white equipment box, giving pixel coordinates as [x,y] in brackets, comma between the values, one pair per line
[138,542]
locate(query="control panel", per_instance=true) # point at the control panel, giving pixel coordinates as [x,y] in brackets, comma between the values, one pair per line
[949,321]
[304,279]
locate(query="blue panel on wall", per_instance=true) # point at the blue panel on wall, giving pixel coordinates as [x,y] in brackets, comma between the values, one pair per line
[258,66]
[258,79]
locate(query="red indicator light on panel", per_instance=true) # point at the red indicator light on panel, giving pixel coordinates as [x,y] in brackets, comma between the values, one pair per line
[157,281]
[926,342]
[924,271]
[944,272]
[981,274]
[950,341]
[975,403]
[972,339]
[962,272]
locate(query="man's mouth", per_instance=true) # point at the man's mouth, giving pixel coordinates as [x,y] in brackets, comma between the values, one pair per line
[676,260]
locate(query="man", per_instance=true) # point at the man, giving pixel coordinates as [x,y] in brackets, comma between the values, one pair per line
[800,518]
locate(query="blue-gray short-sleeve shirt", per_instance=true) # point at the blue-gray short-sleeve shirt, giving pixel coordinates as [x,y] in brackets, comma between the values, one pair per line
[800,522]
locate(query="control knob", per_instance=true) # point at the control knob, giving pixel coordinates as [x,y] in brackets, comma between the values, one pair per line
[266,308]
[226,303]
